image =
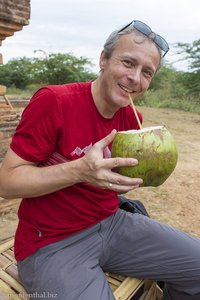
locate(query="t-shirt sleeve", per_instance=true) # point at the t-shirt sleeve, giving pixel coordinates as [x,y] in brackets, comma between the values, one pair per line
[36,135]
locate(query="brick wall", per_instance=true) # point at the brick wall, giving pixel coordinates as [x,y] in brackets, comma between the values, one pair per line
[17,11]
[14,14]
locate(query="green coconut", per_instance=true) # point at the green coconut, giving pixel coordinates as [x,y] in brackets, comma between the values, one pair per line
[153,147]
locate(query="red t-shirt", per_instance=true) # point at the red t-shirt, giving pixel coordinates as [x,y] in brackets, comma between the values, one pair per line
[61,123]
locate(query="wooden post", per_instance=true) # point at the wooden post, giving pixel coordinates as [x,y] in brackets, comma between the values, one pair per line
[3,94]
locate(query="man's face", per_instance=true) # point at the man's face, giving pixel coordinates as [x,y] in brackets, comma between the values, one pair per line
[130,69]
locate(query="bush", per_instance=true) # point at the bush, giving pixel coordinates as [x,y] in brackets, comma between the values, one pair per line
[163,99]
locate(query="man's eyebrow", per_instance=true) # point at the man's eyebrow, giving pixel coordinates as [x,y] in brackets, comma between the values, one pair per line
[149,68]
[128,57]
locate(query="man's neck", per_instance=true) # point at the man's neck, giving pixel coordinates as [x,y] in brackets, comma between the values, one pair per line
[99,99]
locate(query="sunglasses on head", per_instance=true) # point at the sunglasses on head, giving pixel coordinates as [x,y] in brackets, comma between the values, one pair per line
[146,30]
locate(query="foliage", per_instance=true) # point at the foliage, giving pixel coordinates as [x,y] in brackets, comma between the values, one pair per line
[169,80]
[169,90]
[163,99]
[52,69]
[191,53]
[16,72]
[27,92]
[61,68]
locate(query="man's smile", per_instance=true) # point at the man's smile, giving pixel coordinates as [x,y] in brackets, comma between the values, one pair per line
[126,89]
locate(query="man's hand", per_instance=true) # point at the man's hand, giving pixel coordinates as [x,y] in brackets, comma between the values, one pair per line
[97,170]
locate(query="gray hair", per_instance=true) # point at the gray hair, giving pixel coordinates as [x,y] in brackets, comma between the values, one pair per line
[111,41]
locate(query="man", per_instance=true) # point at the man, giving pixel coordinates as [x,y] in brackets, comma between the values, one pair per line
[70,228]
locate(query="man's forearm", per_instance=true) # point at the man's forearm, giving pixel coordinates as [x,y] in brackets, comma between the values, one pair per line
[26,181]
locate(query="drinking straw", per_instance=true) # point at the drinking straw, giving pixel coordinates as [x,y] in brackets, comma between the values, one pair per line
[135,112]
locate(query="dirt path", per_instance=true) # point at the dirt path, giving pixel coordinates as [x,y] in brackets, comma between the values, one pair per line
[177,201]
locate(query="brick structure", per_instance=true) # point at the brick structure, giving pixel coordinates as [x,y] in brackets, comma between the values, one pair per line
[14,14]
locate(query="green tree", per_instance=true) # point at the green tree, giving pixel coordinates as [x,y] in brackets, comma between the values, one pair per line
[61,68]
[5,78]
[52,69]
[16,72]
[191,53]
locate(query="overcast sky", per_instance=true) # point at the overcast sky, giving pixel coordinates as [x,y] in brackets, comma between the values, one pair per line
[81,26]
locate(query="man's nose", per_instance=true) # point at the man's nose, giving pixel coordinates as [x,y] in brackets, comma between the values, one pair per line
[135,75]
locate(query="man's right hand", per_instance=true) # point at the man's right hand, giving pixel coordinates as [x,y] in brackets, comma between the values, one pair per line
[98,171]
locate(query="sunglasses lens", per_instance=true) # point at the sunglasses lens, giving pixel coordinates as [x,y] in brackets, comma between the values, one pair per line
[142,27]
[160,41]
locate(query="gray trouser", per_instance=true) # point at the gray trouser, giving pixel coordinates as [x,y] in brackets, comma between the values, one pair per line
[125,243]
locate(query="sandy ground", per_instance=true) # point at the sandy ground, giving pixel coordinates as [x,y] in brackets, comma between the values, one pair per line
[177,201]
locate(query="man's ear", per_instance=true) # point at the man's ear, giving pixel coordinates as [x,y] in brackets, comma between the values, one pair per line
[102,61]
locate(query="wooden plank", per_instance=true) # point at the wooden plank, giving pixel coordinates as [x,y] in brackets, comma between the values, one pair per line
[114,284]
[13,271]
[6,293]
[2,90]
[4,262]
[116,276]
[10,255]
[127,289]
[8,101]
[11,282]
[151,291]
[6,245]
